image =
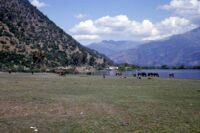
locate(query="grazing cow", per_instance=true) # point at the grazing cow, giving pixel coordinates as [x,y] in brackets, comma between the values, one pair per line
[134,75]
[155,74]
[9,71]
[150,74]
[118,74]
[139,78]
[142,74]
[89,73]
[171,75]
[62,73]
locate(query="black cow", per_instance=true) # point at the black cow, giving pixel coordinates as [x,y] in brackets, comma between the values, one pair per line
[153,74]
[150,74]
[156,74]
[171,75]
[142,74]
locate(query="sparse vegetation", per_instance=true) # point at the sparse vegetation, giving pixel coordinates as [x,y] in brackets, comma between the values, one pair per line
[27,33]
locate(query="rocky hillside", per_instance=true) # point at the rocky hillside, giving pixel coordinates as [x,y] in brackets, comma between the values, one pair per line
[27,37]
[181,49]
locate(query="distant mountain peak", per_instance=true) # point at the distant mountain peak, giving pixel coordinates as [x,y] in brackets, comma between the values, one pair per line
[195,30]
[183,49]
[111,47]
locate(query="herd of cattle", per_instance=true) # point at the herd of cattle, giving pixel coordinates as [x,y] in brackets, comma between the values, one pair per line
[139,75]
[143,74]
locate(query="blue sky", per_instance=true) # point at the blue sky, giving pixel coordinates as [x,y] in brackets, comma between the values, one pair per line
[95,20]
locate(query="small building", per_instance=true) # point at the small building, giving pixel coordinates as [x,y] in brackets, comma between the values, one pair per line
[113,68]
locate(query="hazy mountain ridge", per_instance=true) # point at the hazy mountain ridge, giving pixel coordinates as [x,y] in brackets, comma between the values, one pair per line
[181,49]
[25,30]
[111,47]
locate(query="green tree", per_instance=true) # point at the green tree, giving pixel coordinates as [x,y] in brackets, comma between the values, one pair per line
[164,67]
[181,67]
[92,61]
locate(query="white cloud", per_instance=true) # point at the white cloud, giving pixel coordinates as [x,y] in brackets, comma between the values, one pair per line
[171,26]
[189,9]
[87,37]
[157,37]
[81,16]
[121,26]
[85,27]
[114,25]
[181,4]
[38,4]
[144,28]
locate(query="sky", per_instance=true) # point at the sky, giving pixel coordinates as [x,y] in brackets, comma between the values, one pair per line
[95,20]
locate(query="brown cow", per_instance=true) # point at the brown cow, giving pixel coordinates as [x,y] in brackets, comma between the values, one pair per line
[89,73]
[118,74]
[9,71]
[62,73]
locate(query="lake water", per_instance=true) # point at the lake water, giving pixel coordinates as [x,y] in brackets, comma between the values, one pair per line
[188,74]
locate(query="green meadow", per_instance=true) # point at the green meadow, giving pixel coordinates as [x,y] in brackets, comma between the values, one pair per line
[92,104]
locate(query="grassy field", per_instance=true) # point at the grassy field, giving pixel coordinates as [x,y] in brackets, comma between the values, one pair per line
[91,104]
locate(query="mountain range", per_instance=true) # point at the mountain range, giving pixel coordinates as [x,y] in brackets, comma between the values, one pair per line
[183,49]
[111,47]
[27,37]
